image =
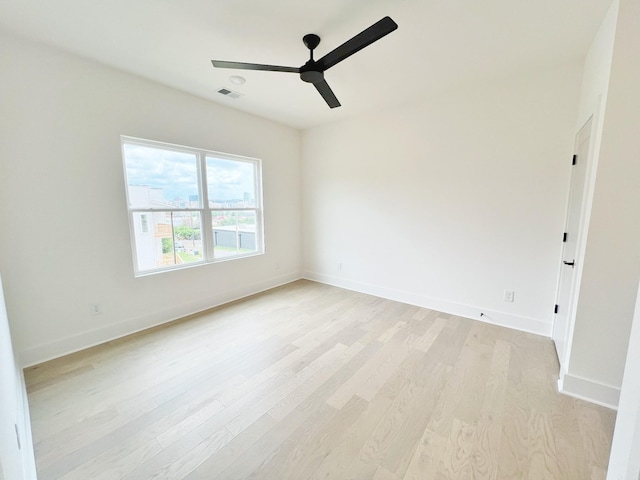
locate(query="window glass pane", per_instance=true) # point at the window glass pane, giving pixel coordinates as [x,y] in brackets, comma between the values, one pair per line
[231,183]
[187,237]
[234,233]
[174,238]
[161,178]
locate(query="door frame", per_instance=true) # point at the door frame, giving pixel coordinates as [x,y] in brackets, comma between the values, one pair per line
[592,122]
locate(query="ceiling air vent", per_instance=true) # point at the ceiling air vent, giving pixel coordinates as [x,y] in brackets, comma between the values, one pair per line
[229,93]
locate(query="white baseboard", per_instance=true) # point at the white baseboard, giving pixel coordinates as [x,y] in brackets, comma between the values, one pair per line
[26,440]
[589,390]
[44,352]
[502,319]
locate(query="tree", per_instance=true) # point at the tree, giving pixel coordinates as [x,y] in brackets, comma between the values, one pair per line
[184,232]
[167,245]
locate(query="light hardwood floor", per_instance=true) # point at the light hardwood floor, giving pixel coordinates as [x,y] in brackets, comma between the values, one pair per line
[309,381]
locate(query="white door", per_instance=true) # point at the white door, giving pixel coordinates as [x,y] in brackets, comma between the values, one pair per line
[566,283]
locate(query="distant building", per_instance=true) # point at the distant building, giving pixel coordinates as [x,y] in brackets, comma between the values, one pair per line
[150,227]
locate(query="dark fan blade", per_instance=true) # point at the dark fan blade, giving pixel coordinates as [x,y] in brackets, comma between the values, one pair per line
[326,92]
[254,66]
[357,43]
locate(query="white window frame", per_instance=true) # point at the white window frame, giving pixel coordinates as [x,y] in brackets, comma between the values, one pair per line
[204,208]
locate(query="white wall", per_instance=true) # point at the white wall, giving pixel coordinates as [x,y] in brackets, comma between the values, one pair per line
[597,69]
[65,235]
[612,256]
[16,460]
[624,462]
[448,203]
[593,99]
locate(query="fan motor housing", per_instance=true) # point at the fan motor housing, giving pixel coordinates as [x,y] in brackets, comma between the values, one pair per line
[310,72]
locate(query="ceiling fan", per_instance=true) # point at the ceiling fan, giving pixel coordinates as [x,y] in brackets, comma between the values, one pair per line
[313,70]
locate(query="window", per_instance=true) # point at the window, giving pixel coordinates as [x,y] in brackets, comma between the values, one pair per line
[144,223]
[171,225]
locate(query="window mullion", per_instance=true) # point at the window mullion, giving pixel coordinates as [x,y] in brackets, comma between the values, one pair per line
[159,210]
[173,240]
[259,207]
[207,226]
[233,209]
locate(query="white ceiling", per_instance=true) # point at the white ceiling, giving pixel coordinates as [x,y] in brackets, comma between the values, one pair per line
[439,44]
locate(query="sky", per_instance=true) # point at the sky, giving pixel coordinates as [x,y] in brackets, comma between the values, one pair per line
[177,173]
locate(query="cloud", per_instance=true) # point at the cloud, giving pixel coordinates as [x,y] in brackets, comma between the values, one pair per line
[229,179]
[177,173]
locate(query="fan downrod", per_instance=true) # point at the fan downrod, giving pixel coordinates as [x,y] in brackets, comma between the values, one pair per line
[310,71]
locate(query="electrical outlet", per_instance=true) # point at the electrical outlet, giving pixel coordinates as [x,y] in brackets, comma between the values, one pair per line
[339,266]
[96,309]
[509,295]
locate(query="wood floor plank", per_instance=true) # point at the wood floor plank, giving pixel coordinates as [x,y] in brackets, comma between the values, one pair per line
[383,373]
[374,372]
[137,432]
[393,442]
[350,334]
[295,398]
[34,386]
[251,462]
[220,460]
[384,474]
[441,420]
[246,403]
[303,379]
[426,458]
[181,458]
[543,462]
[338,464]
[78,435]
[486,457]
[388,334]
[457,461]
[596,427]
[108,465]
[570,451]
[425,342]
[86,402]
[309,381]
[203,410]
[514,444]
[306,448]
